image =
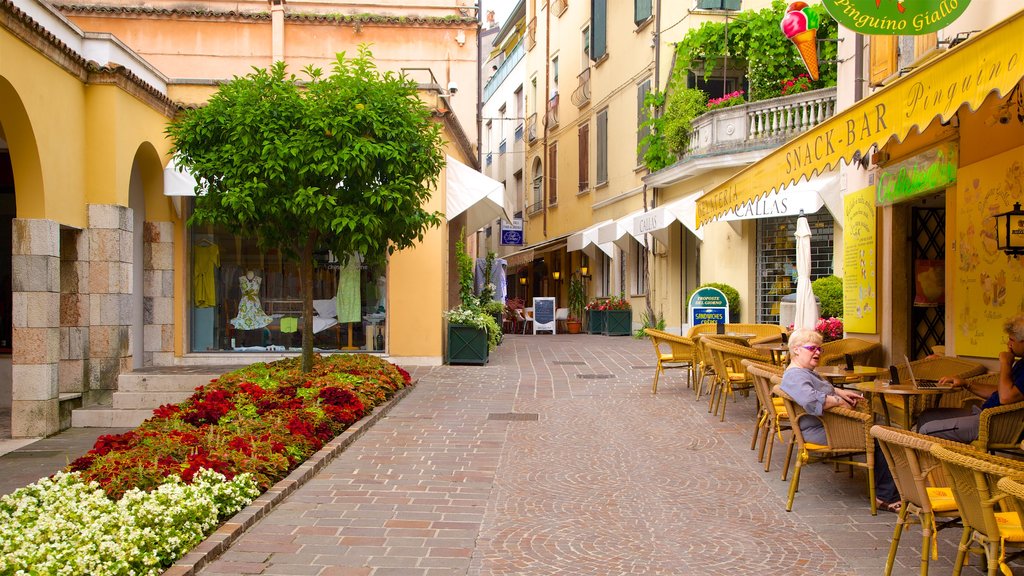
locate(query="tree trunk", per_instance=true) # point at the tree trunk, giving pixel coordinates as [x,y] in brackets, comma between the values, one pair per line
[307,302]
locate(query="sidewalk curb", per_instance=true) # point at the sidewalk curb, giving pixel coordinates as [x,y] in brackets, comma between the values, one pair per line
[233,528]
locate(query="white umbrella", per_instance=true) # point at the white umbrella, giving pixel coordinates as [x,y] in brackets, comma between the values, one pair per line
[806,307]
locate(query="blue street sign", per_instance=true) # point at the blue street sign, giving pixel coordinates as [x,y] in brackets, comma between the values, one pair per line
[511,237]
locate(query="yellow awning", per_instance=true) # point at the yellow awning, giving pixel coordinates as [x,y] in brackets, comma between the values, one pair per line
[991,61]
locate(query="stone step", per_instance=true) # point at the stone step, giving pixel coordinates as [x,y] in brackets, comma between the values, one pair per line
[101,417]
[147,400]
[143,382]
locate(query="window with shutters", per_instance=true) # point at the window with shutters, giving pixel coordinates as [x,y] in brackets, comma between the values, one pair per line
[598,29]
[642,112]
[552,174]
[641,11]
[586,48]
[602,147]
[883,58]
[924,44]
[584,160]
[640,258]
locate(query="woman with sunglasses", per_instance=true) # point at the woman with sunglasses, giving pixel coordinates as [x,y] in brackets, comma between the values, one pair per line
[815,395]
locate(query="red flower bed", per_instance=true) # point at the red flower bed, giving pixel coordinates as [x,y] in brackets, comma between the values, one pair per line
[264,419]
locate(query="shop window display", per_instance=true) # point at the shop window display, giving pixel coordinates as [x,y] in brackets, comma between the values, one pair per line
[249,300]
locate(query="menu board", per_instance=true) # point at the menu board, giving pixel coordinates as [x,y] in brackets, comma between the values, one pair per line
[544,315]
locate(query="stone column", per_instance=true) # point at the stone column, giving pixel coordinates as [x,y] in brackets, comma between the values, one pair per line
[158,262]
[35,288]
[74,318]
[110,288]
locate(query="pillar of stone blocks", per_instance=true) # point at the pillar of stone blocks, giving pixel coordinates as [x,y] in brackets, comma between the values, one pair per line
[110,289]
[74,315]
[158,316]
[35,288]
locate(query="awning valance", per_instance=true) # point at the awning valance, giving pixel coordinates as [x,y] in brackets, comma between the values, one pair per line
[991,61]
[657,220]
[807,197]
[620,231]
[586,240]
[481,197]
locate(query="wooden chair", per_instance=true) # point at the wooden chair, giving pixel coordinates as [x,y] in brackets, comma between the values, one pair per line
[848,434]
[730,374]
[863,352]
[973,477]
[924,490]
[772,417]
[672,352]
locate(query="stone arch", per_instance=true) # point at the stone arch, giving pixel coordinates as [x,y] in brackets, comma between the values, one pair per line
[20,140]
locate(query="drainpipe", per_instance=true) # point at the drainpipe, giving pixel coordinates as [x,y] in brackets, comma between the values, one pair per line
[858,64]
[479,90]
[546,107]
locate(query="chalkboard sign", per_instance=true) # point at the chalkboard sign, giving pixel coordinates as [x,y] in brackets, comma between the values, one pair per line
[544,315]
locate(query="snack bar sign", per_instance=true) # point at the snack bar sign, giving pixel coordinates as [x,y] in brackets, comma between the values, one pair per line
[895,17]
[708,306]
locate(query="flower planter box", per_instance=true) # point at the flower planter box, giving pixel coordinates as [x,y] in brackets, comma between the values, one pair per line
[466,344]
[595,321]
[618,322]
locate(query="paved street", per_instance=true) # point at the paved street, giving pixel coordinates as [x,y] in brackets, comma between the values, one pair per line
[556,459]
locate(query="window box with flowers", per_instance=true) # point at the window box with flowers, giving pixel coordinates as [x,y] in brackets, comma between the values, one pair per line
[618,319]
[596,316]
[727,101]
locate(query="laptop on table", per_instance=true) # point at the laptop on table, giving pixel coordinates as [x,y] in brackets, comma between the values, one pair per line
[925,383]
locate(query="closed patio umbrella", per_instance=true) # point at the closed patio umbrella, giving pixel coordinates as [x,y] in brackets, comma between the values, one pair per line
[806,307]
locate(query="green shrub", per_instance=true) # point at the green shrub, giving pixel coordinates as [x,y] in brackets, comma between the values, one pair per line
[731,294]
[645,322]
[829,291]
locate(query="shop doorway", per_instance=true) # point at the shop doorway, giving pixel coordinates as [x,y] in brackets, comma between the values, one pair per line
[927,291]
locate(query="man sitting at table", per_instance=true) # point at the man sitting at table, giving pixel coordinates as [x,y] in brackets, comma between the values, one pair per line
[815,395]
[961,424]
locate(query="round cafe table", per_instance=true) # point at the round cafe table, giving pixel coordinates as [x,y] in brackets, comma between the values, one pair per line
[777,349]
[904,391]
[839,375]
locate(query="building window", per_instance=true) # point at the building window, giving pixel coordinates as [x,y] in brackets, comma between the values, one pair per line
[604,280]
[642,113]
[554,73]
[552,174]
[538,187]
[639,278]
[586,48]
[641,11]
[584,159]
[598,32]
[776,259]
[622,272]
[602,147]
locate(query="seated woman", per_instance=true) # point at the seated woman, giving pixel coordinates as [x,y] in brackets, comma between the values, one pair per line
[816,395]
[961,424]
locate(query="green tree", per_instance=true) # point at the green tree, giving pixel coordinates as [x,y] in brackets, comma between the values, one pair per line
[343,161]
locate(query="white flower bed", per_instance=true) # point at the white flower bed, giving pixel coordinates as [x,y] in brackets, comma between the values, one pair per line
[62,526]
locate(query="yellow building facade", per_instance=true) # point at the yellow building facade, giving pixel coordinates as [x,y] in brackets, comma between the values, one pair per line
[101,261]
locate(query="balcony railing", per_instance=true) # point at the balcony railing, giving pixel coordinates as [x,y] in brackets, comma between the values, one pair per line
[762,122]
[535,207]
[513,58]
[531,127]
[531,34]
[551,116]
[559,6]
[582,94]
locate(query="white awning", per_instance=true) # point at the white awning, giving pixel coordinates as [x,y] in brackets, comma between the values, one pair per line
[178,182]
[481,197]
[804,196]
[657,220]
[620,231]
[586,240]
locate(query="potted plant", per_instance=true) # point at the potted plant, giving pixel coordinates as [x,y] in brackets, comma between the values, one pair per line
[596,315]
[618,319]
[577,301]
[472,332]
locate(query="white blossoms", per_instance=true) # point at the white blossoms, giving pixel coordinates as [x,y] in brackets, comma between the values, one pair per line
[63,526]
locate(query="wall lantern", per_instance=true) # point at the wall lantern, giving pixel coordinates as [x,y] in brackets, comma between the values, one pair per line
[583,271]
[1010,231]
[556,275]
[522,280]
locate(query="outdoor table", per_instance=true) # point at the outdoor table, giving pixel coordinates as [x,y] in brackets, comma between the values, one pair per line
[777,349]
[839,375]
[905,391]
[743,335]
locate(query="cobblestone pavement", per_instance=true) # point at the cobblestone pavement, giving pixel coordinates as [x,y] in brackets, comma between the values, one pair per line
[555,458]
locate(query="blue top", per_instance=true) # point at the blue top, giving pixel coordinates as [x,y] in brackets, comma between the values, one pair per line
[1017,375]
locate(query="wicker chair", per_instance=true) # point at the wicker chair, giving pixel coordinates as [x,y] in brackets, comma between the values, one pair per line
[848,434]
[672,352]
[1000,428]
[705,367]
[973,476]
[772,417]
[864,353]
[924,489]
[730,374]
[758,330]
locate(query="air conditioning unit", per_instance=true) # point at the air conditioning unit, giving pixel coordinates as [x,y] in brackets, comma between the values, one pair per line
[718,4]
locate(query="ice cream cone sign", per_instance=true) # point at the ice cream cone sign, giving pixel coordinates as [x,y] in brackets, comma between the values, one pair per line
[800,25]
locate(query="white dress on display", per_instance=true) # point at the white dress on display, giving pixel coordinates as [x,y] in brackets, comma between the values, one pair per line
[250,312]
